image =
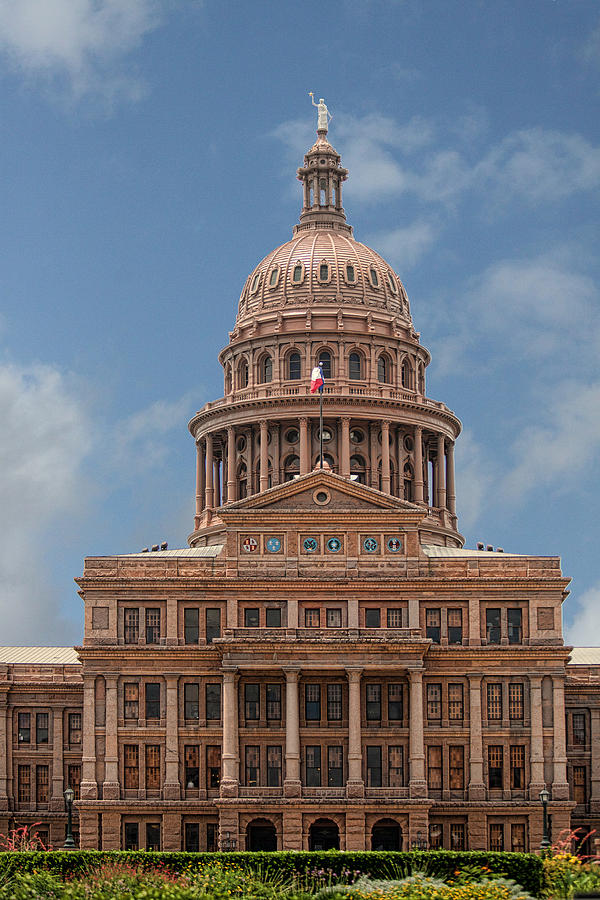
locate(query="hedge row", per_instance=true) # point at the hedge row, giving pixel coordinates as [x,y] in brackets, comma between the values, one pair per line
[524,868]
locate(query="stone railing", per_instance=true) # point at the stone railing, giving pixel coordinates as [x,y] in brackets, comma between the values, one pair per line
[321,635]
[261,792]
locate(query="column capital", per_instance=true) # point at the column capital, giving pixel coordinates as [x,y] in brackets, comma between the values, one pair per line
[385,423]
[535,680]
[474,679]
[415,672]
[354,672]
[230,673]
[291,672]
[171,677]
[303,420]
[263,425]
[111,679]
[345,418]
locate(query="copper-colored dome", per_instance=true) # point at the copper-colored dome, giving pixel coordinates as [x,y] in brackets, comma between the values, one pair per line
[277,282]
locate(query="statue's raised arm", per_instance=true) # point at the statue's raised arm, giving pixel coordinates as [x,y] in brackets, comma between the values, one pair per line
[324,116]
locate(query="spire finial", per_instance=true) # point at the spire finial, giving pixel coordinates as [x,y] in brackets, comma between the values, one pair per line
[323,117]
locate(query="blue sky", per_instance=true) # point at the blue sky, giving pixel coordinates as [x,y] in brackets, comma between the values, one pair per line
[148,152]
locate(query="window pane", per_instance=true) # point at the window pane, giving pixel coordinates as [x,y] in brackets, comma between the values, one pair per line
[213,701]
[273,618]
[132,625]
[455,626]
[495,764]
[274,766]
[434,702]
[515,701]
[295,369]
[517,767]
[433,625]
[213,625]
[335,773]
[152,836]
[41,727]
[496,837]
[312,618]
[457,836]
[455,702]
[313,766]
[153,701]
[42,788]
[434,768]
[274,702]
[190,625]
[394,617]
[191,701]
[191,756]
[354,366]
[396,766]
[373,696]
[252,701]
[252,766]
[152,626]
[131,836]
[494,701]
[374,767]
[395,708]
[334,618]
[334,702]
[492,625]
[372,618]
[457,768]
[24,728]
[517,838]
[131,766]
[24,773]
[152,767]
[74,728]
[213,767]
[579,728]
[312,702]
[131,701]
[251,618]
[515,630]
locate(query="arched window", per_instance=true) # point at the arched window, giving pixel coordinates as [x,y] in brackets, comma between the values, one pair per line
[407,375]
[408,482]
[255,283]
[328,460]
[242,480]
[243,374]
[421,385]
[358,470]
[350,273]
[294,366]
[383,369]
[322,192]
[274,277]
[374,277]
[355,366]
[324,357]
[324,272]
[291,468]
[228,379]
[297,273]
[392,282]
[266,370]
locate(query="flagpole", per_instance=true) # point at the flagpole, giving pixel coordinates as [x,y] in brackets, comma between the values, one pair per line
[321,426]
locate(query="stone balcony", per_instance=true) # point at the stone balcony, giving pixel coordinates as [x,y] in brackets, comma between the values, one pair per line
[322,635]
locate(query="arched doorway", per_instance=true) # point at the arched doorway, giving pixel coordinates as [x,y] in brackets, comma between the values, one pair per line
[324,835]
[261,835]
[386,834]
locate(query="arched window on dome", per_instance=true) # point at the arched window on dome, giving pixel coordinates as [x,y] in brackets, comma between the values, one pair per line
[294,366]
[384,369]
[407,491]
[407,375]
[291,468]
[274,277]
[350,273]
[421,380]
[355,367]
[358,470]
[374,277]
[265,370]
[322,192]
[392,283]
[255,283]
[324,357]
[324,271]
[228,378]
[242,371]
[242,481]
[297,273]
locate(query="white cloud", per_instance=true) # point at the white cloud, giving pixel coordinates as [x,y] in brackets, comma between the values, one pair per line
[585,628]
[473,479]
[403,247]
[83,41]
[139,441]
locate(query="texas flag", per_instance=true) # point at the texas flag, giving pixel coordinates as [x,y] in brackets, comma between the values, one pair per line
[316,380]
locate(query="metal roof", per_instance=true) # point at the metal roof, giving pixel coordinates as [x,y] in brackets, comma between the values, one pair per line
[433,550]
[202,552]
[585,656]
[40,656]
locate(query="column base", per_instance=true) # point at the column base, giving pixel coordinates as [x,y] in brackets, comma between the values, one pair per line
[355,789]
[172,791]
[292,788]
[477,791]
[534,790]
[417,789]
[560,790]
[229,788]
[594,807]
[57,804]
[88,790]
[111,790]
[4,803]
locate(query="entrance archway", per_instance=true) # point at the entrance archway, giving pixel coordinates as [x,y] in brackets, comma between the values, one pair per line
[386,834]
[261,835]
[324,835]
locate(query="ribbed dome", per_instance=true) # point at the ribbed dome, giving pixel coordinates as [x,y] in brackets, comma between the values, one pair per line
[323,265]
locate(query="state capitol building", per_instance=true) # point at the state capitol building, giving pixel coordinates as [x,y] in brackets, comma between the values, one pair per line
[324,665]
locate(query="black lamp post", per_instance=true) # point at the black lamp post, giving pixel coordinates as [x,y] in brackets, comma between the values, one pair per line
[544,797]
[69,843]
[228,843]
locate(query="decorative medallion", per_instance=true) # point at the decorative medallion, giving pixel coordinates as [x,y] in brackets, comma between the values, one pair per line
[322,497]
[370,545]
[394,545]
[273,545]
[334,544]
[250,545]
[310,545]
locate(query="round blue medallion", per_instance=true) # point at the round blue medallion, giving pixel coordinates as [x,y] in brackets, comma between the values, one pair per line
[334,544]
[273,545]
[310,545]
[370,545]
[394,545]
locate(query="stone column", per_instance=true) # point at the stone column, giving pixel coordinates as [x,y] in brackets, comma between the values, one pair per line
[537,737]
[89,787]
[372,472]
[264,456]
[208,481]
[292,786]
[231,483]
[217,483]
[476,783]
[57,800]
[111,788]
[385,456]
[560,785]
[304,458]
[200,488]
[355,786]
[345,455]
[450,477]
[250,458]
[417,785]
[474,622]
[418,441]
[440,482]
[4,734]
[230,760]
[172,788]
[595,762]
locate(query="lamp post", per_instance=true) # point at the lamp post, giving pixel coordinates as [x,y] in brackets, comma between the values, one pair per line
[69,843]
[228,843]
[544,797]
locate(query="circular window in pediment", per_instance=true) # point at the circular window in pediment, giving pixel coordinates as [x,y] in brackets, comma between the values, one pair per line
[322,497]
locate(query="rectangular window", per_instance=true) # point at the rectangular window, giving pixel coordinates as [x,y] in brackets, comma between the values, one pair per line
[74,728]
[130,835]
[131,756]
[152,700]
[578,729]
[273,617]
[492,626]
[152,836]
[213,625]
[579,786]
[394,617]
[434,768]
[515,701]
[373,695]
[334,702]
[515,628]
[191,625]
[252,766]
[496,836]
[152,767]
[42,784]
[494,702]
[396,766]
[334,618]
[455,702]
[251,618]
[312,618]
[213,701]
[41,728]
[131,704]
[433,625]
[274,702]
[212,831]
[152,626]
[395,709]
[132,625]
[191,700]
[434,702]
[455,632]
[252,701]
[436,836]
[24,784]
[374,778]
[313,766]
[458,836]
[24,728]
[495,765]
[213,767]
[518,843]
[74,780]
[191,756]
[274,766]
[457,768]
[191,841]
[312,702]
[335,767]
[517,767]
[372,618]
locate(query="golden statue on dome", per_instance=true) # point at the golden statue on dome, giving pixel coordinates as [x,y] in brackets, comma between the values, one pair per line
[324,116]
